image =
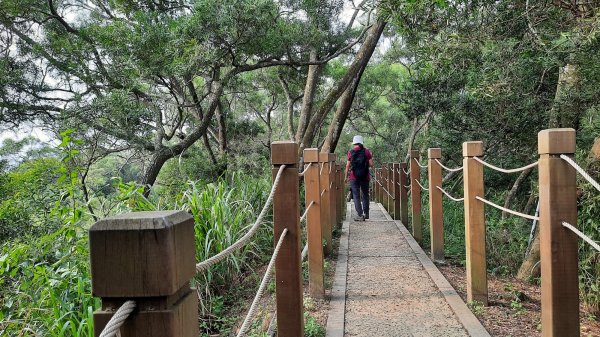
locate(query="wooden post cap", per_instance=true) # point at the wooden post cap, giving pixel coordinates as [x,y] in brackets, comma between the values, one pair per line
[284,153]
[434,153]
[414,154]
[326,157]
[473,149]
[311,155]
[142,254]
[556,141]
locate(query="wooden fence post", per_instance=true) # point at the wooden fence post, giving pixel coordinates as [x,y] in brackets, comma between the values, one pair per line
[474,223]
[326,225]
[340,194]
[415,196]
[377,181]
[332,195]
[148,257]
[436,213]
[390,194]
[288,266]
[403,195]
[558,245]
[313,224]
[397,190]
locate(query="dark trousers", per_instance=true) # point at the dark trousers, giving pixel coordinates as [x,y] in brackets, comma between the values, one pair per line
[361,204]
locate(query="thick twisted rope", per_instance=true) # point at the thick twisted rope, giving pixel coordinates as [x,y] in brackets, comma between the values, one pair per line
[323,192]
[449,196]
[418,183]
[405,171]
[263,286]
[523,215]
[421,166]
[581,171]
[244,239]
[303,217]
[117,320]
[581,235]
[499,169]
[301,174]
[388,193]
[447,168]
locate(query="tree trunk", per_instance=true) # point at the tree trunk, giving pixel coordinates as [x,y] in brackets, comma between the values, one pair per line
[222,133]
[415,131]
[514,189]
[365,52]
[310,88]
[341,114]
[565,112]
[159,158]
[530,268]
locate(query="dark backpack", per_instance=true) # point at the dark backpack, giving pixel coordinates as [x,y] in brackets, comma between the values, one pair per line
[359,164]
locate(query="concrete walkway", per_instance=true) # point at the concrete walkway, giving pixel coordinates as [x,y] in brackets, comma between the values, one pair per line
[385,285]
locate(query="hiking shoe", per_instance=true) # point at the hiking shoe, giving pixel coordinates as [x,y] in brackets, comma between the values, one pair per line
[359,218]
[366,216]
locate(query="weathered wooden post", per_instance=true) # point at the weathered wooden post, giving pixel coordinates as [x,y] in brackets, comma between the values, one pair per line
[436,214]
[313,224]
[558,245]
[415,196]
[388,197]
[148,257]
[286,215]
[340,194]
[474,223]
[403,195]
[390,185]
[326,224]
[397,190]
[377,182]
[332,195]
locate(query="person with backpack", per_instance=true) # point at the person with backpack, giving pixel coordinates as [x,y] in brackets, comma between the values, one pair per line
[359,161]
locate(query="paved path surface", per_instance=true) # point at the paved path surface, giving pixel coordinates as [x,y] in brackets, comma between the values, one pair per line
[388,291]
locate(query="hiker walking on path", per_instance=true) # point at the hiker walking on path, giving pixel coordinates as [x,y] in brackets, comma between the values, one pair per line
[359,161]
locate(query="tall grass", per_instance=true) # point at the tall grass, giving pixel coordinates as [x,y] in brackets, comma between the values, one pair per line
[45,287]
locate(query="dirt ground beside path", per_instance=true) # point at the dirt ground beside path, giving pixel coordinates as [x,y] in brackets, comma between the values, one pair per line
[389,293]
[514,308]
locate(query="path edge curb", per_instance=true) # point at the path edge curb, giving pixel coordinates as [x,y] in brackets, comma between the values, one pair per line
[336,317]
[463,313]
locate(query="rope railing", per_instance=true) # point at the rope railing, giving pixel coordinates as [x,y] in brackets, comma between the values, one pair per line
[449,196]
[523,215]
[246,238]
[418,183]
[581,171]
[303,217]
[116,321]
[447,168]
[581,235]
[301,174]
[388,193]
[499,169]
[263,286]
[323,192]
[418,163]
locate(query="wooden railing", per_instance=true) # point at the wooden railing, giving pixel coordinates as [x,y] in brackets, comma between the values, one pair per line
[142,262]
[558,211]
